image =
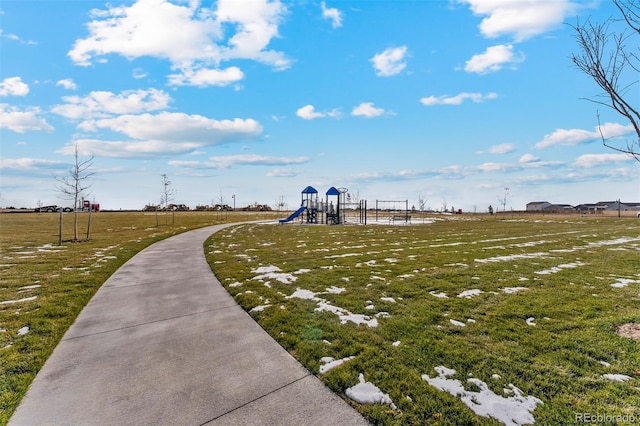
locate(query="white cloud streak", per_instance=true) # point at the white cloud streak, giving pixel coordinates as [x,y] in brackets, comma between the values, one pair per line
[520,19]
[308,112]
[457,99]
[390,62]
[191,37]
[67,83]
[367,110]
[13,86]
[493,59]
[103,104]
[21,121]
[332,14]
[223,162]
[593,160]
[572,137]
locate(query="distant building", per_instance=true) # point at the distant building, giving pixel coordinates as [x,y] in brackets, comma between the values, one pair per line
[545,206]
[539,206]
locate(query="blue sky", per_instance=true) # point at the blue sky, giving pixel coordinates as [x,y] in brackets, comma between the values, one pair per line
[449,101]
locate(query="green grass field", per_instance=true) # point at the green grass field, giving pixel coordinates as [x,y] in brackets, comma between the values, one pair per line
[530,306]
[524,310]
[44,286]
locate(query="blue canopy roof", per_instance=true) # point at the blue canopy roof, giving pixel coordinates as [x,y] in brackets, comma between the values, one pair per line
[309,190]
[333,191]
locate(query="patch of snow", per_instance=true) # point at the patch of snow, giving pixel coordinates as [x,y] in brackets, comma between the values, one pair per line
[512,411]
[370,307]
[496,376]
[388,299]
[396,343]
[368,393]
[605,363]
[11,302]
[273,272]
[511,290]
[329,363]
[623,282]
[30,287]
[336,290]
[531,321]
[235,284]
[616,377]
[259,308]
[382,314]
[513,257]
[558,268]
[23,331]
[440,295]
[471,321]
[470,293]
[457,323]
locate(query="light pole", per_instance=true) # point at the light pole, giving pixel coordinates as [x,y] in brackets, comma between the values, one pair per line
[234,202]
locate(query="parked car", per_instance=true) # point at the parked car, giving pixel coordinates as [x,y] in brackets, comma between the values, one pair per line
[46,209]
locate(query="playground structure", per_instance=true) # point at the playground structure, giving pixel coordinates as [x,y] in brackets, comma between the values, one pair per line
[340,210]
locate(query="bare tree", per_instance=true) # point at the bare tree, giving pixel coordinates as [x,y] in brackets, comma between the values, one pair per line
[605,56]
[74,185]
[166,196]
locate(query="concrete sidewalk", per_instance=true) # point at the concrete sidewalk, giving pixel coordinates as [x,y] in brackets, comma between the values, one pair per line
[162,343]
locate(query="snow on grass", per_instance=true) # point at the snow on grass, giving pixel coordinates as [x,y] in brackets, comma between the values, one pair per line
[29,287]
[559,268]
[515,410]
[274,273]
[11,302]
[457,323]
[388,299]
[328,363]
[336,290]
[510,257]
[259,308]
[440,295]
[396,343]
[368,393]
[511,290]
[468,294]
[623,282]
[616,377]
[23,331]
[531,321]
[343,314]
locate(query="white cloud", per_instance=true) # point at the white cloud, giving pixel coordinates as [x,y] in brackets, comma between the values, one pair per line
[191,37]
[366,109]
[279,172]
[67,83]
[21,121]
[180,127]
[457,99]
[493,59]
[522,19]
[504,148]
[223,162]
[528,158]
[592,160]
[101,103]
[206,77]
[390,62]
[572,137]
[163,134]
[13,86]
[308,112]
[333,14]
[29,163]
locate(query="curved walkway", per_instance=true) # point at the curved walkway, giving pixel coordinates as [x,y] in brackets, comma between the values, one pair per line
[163,343]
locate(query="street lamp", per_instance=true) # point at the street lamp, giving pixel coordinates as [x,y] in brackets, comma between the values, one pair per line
[234,201]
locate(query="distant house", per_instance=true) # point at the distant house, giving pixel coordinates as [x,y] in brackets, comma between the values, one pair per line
[591,208]
[537,206]
[620,206]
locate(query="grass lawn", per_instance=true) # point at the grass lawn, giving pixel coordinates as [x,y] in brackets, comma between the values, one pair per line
[466,320]
[44,286]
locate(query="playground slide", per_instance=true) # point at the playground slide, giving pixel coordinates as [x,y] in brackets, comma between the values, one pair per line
[293,215]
